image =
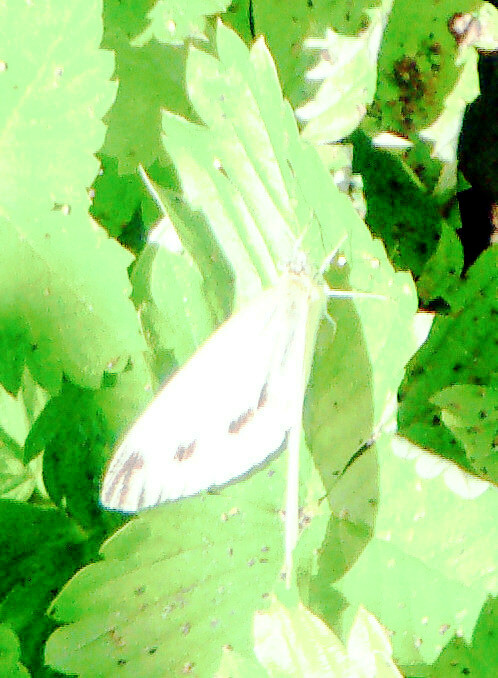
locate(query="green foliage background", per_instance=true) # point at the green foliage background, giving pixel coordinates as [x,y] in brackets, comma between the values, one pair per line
[95,313]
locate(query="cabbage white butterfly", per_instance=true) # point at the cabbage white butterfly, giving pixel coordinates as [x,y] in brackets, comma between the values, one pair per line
[228,408]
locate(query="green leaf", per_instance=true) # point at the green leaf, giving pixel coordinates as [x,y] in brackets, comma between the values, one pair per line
[73,434]
[480,657]
[10,652]
[287,31]
[369,647]
[347,72]
[117,197]
[444,132]
[39,550]
[58,317]
[15,417]
[79,324]
[441,273]
[412,66]
[460,349]
[471,413]
[172,288]
[134,121]
[399,209]
[233,665]
[16,480]
[51,111]
[293,642]
[172,22]
[428,568]
[175,586]
[14,344]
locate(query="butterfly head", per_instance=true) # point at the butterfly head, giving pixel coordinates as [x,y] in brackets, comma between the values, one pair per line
[299,264]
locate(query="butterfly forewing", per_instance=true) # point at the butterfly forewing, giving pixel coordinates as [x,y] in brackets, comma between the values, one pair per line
[224,412]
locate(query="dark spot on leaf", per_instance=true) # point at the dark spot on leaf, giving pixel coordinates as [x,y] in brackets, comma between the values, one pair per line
[116,639]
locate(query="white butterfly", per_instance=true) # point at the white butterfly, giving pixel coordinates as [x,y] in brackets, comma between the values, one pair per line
[228,408]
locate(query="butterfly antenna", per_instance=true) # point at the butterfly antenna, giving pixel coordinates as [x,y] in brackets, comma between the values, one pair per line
[351,294]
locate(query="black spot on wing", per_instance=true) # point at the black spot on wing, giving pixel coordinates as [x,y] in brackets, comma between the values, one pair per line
[236,425]
[263,396]
[141,499]
[133,464]
[184,453]
[121,479]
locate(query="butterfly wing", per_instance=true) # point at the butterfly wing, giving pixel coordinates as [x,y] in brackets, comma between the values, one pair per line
[225,411]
